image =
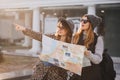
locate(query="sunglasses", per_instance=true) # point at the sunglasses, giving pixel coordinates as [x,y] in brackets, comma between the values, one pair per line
[84,21]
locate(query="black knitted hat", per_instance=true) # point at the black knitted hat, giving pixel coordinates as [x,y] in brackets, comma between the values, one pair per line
[94,20]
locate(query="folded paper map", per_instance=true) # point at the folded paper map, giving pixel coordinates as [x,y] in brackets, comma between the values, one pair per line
[66,55]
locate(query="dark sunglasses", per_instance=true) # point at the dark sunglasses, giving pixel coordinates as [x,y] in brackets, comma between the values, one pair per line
[84,21]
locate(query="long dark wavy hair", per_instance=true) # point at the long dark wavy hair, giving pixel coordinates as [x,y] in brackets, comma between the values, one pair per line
[65,26]
[89,36]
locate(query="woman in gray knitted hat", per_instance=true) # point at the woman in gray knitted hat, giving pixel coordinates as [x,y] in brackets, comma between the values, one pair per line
[94,44]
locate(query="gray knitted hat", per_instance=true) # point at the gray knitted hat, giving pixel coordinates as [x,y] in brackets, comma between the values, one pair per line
[94,20]
[71,24]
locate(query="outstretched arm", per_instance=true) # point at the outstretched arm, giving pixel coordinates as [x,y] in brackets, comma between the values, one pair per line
[29,32]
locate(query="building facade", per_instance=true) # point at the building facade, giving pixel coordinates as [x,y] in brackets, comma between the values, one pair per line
[34,14]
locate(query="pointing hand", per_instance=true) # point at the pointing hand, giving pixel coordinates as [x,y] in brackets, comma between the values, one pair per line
[19,27]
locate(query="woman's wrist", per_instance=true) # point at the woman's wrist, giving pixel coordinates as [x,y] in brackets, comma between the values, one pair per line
[87,52]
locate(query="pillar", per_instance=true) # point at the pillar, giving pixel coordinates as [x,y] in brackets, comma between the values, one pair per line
[36,27]
[91,9]
[27,40]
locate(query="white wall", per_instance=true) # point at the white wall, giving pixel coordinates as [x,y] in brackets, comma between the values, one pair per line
[7,30]
[50,25]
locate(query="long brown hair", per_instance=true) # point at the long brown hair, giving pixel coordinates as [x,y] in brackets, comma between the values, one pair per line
[89,36]
[66,26]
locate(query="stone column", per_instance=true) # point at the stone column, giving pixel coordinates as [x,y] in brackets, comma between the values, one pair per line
[36,27]
[91,9]
[42,23]
[16,16]
[27,40]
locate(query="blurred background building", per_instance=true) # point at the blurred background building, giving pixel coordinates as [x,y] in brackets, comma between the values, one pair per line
[42,16]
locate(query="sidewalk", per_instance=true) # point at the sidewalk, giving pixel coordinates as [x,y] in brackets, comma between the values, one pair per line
[26,72]
[15,74]
[16,66]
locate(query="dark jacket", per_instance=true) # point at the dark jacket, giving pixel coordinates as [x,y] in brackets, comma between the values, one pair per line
[90,72]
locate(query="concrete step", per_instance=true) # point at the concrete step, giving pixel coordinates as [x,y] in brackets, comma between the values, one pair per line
[16,74]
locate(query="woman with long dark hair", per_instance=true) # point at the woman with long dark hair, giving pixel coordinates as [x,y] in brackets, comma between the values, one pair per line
[41,69]
[94,44]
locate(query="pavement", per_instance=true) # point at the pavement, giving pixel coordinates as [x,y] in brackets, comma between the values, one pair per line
[14,67]
[25,74]
[16,75]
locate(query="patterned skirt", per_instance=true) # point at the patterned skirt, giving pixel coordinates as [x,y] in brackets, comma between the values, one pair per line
[42,72]
[56,73]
